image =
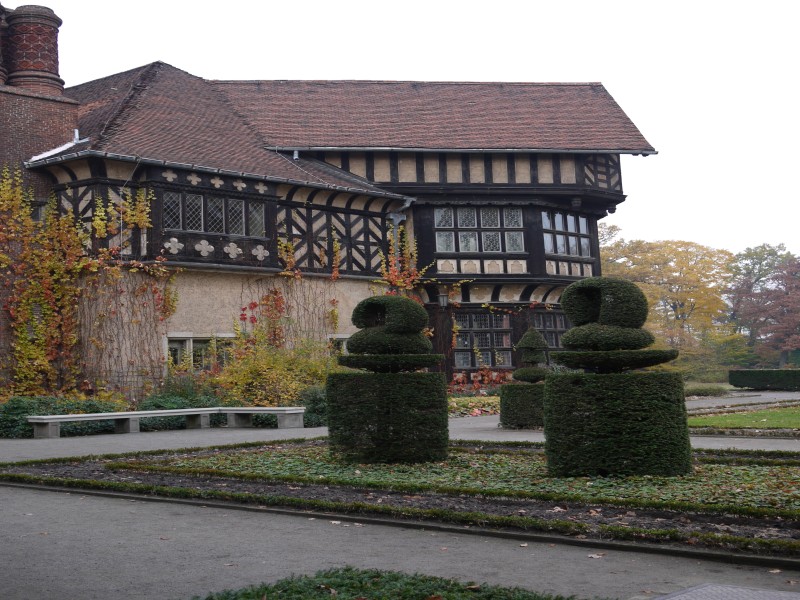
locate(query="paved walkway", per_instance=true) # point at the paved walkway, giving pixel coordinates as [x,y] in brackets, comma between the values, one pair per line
[75,545]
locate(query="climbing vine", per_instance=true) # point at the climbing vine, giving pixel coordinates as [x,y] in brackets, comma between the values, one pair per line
[77,307]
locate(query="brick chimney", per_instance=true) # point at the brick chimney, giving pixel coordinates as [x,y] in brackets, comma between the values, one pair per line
[30,50]
[3,32]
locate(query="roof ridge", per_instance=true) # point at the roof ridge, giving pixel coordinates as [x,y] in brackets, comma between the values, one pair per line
[402,82]
[122,113]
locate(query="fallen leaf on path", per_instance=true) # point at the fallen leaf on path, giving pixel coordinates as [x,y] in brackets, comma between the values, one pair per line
[598,555]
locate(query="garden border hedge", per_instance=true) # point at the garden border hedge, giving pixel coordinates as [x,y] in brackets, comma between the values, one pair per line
[765,379]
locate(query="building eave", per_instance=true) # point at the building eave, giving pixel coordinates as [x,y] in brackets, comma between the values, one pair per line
[54,160]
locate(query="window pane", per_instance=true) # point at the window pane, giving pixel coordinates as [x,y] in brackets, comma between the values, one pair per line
[512,217]
[561,244]
[255,218]
[502,340]
[515,241]
[546,222]
[586,247]
[463,360]
[236,217]
[462,321]
[480,321]
[491,241]
[194,212]
[559,222]
[549,244]
[482,340]
[443,217]
[502,358]
[214,217]
[573,245]
[445,242]
[584,225]
[176,350]
[490,217]
[484,358]
[462,341]
[467,217]
[571,224]
[172,210]
[500,321]
[467,241]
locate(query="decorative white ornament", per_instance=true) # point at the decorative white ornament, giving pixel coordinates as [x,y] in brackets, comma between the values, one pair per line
[169,175]
[260,252]
[261,188]
[239,184]
[232,250]
[217,182]
[193,178]
[204,248]
[173,245]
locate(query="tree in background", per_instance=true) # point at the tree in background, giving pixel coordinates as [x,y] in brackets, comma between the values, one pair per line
[753,273]
[684,283]
[781,305]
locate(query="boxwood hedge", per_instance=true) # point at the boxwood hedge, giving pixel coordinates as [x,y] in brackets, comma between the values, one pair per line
[765,379]
[521,405]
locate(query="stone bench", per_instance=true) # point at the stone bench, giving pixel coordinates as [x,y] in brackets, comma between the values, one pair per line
[49,426]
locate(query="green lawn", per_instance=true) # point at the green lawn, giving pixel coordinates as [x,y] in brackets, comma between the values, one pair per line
[511,472]
[777,418]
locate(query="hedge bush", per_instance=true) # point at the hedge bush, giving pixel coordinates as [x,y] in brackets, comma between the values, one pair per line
[377,340]
[613,361]
[316,403]
[521,405]
[594,336]
[388,417]
[765,379]
[605,300]
[390,363]
[616,424]
[396,313]
[172,402]
[13,413]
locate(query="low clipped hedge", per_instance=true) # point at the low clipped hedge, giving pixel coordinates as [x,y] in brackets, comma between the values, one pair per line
[766,379]
[13,413]
[401,417]
[521,405]
[171,402]
[594,336]
[616,424]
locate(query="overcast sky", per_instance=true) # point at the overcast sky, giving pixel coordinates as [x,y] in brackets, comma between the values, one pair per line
[710,84]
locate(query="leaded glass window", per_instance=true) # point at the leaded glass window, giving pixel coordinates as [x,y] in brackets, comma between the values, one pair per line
[194,212]
[490,217]
[468,241]
[443,217]
[215,220]
[512,217]
[236,216]
[255,220]
[445,241]
[467,218]
[483,339]
[172,210]
[566,235]
[491,241]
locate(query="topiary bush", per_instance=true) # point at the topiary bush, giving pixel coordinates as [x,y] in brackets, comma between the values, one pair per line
[392,414]
[13,413]
[616,424]
[316,403]
[613,422]
[521,403]
[521,406]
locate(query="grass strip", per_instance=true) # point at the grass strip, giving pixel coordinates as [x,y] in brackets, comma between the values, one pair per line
[356,584]
[788,548]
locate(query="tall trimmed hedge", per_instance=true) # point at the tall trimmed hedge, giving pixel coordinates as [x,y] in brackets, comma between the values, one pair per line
[613,421]
[766,379]
[616,423]
[394,413]
[521,405]
[388,417]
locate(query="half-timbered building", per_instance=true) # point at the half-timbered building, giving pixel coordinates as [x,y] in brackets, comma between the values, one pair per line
[500,185]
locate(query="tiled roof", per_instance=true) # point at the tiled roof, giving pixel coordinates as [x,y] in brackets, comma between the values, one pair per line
[429,115]
[160,112]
